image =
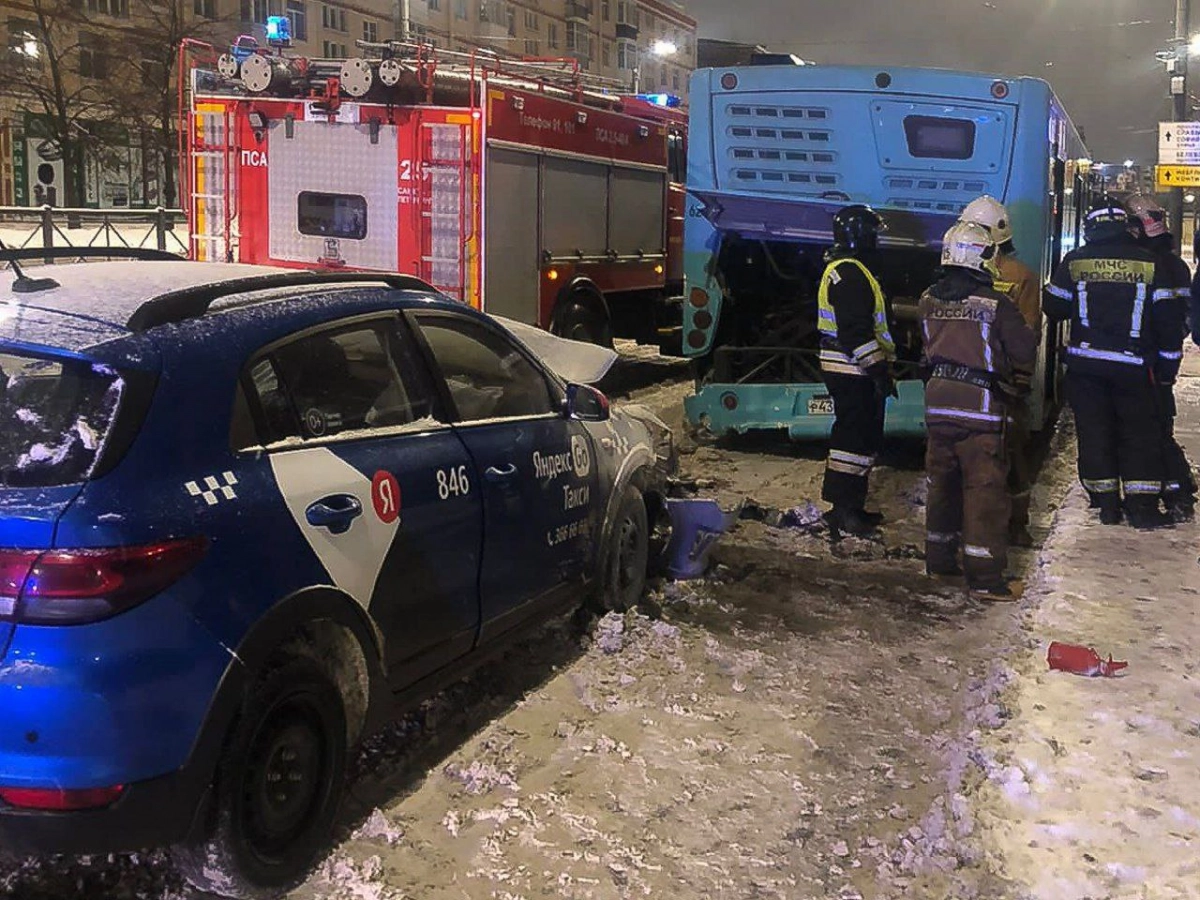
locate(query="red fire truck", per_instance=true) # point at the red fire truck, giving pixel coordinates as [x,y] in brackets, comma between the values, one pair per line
[520,187]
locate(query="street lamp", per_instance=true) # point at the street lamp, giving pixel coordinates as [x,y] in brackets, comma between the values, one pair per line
[660,48]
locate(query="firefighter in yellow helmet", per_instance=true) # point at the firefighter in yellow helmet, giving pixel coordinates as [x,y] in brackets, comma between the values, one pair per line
[1023,287]
[977,346]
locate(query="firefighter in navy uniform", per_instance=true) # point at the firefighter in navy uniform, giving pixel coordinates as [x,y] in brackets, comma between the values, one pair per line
[978,348]
[1149,227]
[856,355]
[1126,339]
[1023,287]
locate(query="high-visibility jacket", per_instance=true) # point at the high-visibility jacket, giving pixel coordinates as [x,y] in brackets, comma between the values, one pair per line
[852,319]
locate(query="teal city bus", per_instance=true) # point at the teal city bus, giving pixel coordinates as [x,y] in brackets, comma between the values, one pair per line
[775,150]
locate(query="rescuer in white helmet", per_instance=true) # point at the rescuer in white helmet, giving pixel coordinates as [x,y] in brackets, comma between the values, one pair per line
[977,346]
[1023,287]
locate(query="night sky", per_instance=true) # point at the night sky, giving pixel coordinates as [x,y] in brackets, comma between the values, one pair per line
[1097,54]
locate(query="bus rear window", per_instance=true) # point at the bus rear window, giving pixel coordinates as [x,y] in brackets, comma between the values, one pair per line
[933,137]
[332,215]
[54,417]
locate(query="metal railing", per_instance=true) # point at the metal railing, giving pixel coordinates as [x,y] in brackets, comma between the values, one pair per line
[26,227]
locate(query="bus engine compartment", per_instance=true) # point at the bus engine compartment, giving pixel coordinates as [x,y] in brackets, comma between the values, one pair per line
[767,333]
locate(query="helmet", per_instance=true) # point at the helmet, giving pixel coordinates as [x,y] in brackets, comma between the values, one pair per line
[969,245]
[991,214]
[857,228]
[1147,214]
[1105,220]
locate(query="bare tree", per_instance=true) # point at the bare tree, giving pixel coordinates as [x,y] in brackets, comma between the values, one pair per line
[146,91]
[57,64]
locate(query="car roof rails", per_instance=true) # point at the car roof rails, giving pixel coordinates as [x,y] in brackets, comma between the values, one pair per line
[193,302]
[10,254]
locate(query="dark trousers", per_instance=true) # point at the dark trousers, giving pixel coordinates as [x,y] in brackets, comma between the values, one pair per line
[1018,443]
[968,502]
[1180,485]
[1120,431]
[856,439]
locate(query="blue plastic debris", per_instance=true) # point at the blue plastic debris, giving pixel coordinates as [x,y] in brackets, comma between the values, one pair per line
[695,527]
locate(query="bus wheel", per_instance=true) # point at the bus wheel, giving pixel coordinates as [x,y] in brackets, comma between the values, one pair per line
[582,318]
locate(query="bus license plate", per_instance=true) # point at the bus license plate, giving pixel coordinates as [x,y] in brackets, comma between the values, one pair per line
[820,406]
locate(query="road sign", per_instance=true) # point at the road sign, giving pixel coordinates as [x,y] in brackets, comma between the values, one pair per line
[1179,143]
[1177,176]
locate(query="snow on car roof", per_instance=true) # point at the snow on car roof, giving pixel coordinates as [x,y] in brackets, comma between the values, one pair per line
[112,291]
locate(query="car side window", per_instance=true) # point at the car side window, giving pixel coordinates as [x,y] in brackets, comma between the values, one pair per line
[336,381]
[488,377]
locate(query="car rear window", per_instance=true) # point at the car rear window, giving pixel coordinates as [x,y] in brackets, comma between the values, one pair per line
[54,417]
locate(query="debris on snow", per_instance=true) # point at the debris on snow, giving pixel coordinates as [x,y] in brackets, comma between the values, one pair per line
[378,827]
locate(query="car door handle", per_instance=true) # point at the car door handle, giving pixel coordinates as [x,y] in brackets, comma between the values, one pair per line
[336,512]
[493,473]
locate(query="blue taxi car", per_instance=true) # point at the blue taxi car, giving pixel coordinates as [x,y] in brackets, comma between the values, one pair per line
[248,513]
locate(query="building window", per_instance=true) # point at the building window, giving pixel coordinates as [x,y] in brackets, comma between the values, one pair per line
[605,13]
[333,18]
[205,8]
[334,50]
[93,63]
[117,8]
[510,17]
[627,55]
[297,13]
[627,13]
[577,36]
[675,82]
[552,36]
[22,40]
[531,20]
[460,9]
[370,31]
[531,47]
[606,50]
[433,5]
[255,11]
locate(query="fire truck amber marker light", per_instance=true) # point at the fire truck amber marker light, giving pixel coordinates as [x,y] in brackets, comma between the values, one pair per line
[552,274]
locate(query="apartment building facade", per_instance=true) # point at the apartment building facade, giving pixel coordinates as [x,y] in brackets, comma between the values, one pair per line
[114,57]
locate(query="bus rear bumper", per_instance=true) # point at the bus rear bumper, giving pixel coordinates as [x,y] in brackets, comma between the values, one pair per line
[805,411]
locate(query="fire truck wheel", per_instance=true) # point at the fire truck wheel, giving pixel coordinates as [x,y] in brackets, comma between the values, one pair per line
[623,577]
[581,318]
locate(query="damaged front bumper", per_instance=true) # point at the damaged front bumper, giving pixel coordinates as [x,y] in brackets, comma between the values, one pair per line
[805,411]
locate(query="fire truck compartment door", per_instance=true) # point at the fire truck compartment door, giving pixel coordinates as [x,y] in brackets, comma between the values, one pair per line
[639,200]
[333,194]
[512,235]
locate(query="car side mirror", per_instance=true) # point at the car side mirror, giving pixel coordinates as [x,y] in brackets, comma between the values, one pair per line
[586,404]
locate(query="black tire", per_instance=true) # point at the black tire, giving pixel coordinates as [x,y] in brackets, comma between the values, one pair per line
[277,788]
[582,318]
[623,577]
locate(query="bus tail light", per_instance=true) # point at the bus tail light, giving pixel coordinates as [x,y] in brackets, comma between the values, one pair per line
[698,298]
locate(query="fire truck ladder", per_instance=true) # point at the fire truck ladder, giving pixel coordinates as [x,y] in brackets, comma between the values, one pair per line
[445,205]
[211,183]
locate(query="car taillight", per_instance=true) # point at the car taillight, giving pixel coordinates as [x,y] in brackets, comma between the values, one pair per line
[73,587]
[60,799]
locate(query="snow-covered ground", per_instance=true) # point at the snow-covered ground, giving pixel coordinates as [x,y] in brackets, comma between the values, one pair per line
[1093,787]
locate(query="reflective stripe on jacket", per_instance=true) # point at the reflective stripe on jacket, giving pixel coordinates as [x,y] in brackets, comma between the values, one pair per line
[835,357]
[974,338]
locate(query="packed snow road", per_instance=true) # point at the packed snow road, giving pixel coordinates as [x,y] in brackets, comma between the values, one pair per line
[795,725]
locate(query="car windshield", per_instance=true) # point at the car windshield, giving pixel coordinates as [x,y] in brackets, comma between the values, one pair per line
[54,416]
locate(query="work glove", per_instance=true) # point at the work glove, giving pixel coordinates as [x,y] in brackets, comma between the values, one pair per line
[885,385]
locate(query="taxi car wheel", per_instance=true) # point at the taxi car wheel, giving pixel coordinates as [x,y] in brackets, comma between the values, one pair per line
[277,787]
[627,555]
